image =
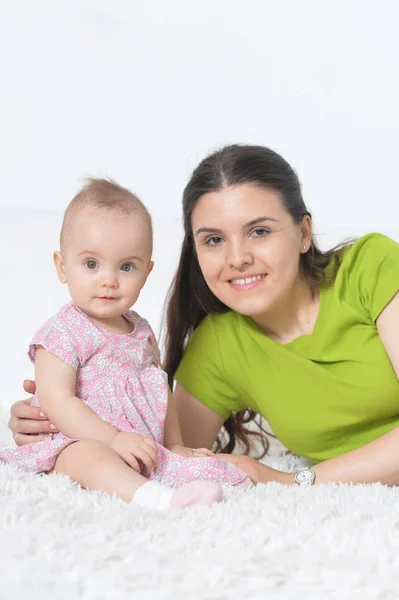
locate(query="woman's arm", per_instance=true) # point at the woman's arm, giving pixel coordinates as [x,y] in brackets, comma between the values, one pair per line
[388,330]
[55,381]
[28,423]
[199,425]
[173,439]
[378,460]
[172,433]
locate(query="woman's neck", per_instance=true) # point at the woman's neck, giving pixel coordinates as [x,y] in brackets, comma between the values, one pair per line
[294,316]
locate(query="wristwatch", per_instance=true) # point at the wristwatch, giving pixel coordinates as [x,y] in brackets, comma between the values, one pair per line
[305,477]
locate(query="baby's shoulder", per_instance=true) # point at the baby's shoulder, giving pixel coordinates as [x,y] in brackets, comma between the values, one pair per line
[68,319]
[143,331]
[70,327]
[62,336]
[141,325]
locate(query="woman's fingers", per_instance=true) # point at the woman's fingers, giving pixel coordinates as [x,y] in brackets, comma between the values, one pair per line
[236,459]
[21,439]
[29,386]
[203,452]
[28,426]
[23,410]
[249,465]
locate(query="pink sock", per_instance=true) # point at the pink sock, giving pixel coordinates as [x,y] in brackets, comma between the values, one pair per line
[195,493]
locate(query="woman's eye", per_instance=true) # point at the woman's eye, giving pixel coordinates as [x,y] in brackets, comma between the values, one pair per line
[213,241]
[127,267]
[260,232]
[91,264]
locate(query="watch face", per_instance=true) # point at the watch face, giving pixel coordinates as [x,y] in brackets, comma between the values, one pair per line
[304,476]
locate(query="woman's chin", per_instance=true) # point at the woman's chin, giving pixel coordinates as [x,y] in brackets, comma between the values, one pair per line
[249,309]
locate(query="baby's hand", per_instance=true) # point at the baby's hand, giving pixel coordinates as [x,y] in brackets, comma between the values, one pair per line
[132,446]
[190,452]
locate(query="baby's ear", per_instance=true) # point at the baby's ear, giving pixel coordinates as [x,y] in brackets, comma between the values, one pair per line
[60,266]
[150,267]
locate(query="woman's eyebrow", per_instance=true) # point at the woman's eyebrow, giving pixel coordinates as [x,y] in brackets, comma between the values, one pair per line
[249,224]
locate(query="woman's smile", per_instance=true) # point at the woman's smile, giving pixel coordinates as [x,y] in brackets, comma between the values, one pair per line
[249,282]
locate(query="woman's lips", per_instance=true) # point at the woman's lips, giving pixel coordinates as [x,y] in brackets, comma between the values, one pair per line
[242,284]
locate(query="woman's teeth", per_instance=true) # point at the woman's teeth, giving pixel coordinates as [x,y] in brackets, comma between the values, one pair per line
[247,280]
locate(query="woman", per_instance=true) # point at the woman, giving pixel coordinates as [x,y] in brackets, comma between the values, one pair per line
[260,319]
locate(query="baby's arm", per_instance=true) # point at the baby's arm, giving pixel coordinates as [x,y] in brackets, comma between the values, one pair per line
[173,440]
[55,386]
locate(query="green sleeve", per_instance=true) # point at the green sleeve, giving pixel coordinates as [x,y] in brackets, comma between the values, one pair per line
[372,273]
[201,371]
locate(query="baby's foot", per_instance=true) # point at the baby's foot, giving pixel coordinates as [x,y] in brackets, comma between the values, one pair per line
[195,493]
[244,484]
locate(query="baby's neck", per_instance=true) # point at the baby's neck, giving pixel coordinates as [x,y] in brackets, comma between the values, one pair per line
[115,325]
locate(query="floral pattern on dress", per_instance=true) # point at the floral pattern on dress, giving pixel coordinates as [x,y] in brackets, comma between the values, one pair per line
[118,377]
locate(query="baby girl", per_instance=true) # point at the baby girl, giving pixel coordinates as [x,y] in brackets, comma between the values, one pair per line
[98,374]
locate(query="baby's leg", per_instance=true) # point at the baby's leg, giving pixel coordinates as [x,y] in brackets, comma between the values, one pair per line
[98,467]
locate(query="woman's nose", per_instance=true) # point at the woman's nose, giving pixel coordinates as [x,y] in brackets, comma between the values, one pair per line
[238,256]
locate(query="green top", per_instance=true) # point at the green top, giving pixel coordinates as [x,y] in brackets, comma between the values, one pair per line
[325,393]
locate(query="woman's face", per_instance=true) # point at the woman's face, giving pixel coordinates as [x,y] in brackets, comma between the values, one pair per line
[249,247]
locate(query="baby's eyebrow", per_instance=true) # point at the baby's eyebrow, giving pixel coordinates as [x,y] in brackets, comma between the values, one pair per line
[121,260]
[136,258]
[94,252]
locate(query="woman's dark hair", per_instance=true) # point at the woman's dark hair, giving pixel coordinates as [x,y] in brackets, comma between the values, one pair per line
[190,299]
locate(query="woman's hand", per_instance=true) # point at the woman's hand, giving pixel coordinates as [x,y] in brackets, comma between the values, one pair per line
[133,447]
[256,471]
[27,423]
[189,452]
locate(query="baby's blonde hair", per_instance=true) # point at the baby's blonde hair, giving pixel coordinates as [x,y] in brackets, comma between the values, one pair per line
[107,195]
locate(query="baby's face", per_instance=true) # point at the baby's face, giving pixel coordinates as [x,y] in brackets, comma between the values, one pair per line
[105,262]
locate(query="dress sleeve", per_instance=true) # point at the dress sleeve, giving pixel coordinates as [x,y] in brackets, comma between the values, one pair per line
[372,273]
[56,336]
[202,374]
[153,348]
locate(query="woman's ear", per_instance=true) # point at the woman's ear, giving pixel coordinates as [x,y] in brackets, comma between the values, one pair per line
[306,232]
[60,266]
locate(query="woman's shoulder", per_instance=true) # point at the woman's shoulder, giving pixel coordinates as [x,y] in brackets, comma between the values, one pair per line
[368,275]
[371,247]
[216,333]
[218,323]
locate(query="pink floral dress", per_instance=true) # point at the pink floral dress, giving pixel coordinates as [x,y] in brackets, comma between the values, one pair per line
[118,377]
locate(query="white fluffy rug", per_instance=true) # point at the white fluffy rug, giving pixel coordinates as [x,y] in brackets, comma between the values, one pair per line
[58,541]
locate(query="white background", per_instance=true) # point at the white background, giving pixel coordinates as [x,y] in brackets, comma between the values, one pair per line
[141,91]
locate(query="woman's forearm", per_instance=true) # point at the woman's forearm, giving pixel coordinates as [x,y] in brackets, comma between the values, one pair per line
[172,433]
[377,461]
[76,420]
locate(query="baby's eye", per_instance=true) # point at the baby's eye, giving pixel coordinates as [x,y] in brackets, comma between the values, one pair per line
[128,267]
[91,264]
[215,240]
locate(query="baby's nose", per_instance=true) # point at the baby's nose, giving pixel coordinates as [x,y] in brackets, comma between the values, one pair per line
[110,280]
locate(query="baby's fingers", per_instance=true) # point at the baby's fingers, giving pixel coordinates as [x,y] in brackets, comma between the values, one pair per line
[152,444]
[147,457]
[132,462]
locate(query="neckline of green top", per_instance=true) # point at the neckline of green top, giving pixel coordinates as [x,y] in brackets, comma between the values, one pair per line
[301,339]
